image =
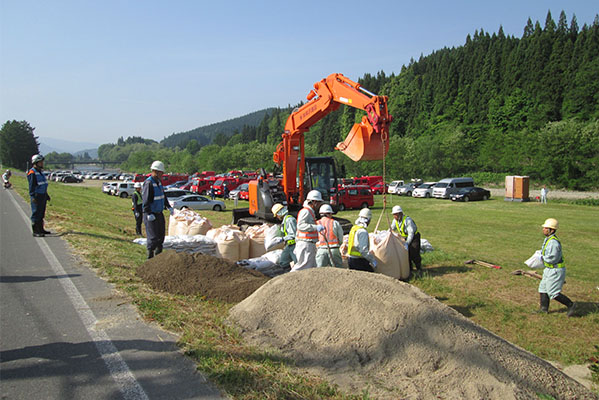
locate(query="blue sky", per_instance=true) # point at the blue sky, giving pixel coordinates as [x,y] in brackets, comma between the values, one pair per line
[92,71]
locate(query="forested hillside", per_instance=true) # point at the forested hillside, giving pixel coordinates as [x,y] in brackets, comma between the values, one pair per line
[498,104]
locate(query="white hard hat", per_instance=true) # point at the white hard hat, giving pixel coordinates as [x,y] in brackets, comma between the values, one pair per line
[277,208]
[137,185]
[396,210]
[37,158]
[326,209]
[314,195]
[550,223]
[365,213]
[158,166]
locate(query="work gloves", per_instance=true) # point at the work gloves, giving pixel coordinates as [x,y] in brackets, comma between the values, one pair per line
[374,263]
[151,217]
[277,241]
[171,210]
[405,246]
[319,228]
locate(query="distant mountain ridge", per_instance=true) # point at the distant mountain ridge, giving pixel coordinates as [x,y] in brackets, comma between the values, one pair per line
[48,145]
[205,134]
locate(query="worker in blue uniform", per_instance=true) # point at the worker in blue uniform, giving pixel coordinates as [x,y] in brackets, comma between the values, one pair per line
[154,203]
[38,194]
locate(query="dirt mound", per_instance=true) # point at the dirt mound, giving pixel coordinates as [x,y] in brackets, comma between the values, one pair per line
[214,278]
[368,331]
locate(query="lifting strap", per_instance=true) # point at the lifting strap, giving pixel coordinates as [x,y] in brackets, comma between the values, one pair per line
[384,138]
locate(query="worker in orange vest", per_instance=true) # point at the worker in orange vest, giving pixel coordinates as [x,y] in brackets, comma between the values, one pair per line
[307,232]
[329,240]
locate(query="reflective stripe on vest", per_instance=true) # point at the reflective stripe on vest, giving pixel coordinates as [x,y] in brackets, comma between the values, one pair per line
[329,233]
[290,242]
[558,265]
[351,249]
[401,229]
[307,235]
[42,183]
[157,205]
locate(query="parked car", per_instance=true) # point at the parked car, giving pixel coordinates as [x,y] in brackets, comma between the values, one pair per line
[108,186]
[176,185]
[378,188]
[70,179]
[471,193]
[424,190]
[197,202]
[393,186]
[354,196]
[124,189]
[407,189]
[176,194]
[446,187]
[237,191]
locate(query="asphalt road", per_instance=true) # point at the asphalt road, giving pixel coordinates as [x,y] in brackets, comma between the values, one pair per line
[67,334]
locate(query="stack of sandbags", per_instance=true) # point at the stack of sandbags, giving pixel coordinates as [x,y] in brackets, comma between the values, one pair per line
[391,254]
[257,235]
[188,222]
[187,243]
[232,243]
[267,264]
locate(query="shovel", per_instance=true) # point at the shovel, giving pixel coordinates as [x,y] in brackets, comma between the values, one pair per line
[483,263]
[527,273]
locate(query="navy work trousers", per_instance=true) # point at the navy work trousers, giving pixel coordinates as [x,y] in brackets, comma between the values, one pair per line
[38,207]
[155,231]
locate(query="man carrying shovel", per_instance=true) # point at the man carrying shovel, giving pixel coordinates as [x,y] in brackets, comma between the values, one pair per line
[554,274]
[329,240]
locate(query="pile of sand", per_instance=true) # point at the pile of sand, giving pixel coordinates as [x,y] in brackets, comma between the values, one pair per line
[368,331]
[212,277]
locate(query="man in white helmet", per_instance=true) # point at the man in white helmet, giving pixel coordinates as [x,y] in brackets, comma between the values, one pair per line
[554,274]
[288,228]
[38,194]
[307,232]
[407,229]
[154,203]
[137,207]
[358,244]
[6,179]
[329,240]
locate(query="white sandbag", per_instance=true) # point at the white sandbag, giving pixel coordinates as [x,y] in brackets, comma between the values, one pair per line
[186,243]
[392,257]
[425,246]
[270,236]
[258,263]
[535,260]
[199,226]
[273,256]
[172,225]
[256,234]
[232,244]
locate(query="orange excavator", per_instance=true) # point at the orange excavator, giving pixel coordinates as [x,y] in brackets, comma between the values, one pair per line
[367,140]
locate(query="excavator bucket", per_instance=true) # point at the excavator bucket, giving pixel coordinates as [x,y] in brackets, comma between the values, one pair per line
[363,144]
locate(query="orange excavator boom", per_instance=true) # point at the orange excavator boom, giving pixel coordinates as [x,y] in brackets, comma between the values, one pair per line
[368,140]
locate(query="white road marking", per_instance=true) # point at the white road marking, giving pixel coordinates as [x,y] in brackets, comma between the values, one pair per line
[117,367]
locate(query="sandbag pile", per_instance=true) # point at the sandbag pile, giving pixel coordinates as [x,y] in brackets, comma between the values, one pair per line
[187,222]
[268,264]
[232,243]
[186,243]
[257,235]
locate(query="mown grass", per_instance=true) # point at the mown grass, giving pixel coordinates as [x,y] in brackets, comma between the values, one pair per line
[505,233]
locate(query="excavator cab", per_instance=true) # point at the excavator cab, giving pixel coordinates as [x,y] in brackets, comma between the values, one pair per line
[321,175]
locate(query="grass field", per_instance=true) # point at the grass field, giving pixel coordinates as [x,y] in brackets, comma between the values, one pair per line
[100,229]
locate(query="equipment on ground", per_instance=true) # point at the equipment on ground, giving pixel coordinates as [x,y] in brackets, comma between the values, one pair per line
[367,140]
[530,274]
[483,263]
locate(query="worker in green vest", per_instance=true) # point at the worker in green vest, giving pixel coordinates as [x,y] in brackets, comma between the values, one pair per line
[407,229]
[554,274]
[288,229]
[136,207]
[358,245]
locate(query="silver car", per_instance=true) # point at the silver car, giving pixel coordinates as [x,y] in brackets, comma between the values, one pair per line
[196,202]
[424,190]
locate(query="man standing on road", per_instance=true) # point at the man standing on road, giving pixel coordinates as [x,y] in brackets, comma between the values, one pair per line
[38,193]
[408,230]
[307,232]
[6,179]
[544,195]
[329,240]
[137,207]
[154,203]
[289,228]
[358,244]
[554,274]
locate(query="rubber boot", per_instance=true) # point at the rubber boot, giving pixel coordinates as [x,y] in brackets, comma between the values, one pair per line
[42,230]
[150,253]
[544,309]
[567,302]
[158,250]
[36,229]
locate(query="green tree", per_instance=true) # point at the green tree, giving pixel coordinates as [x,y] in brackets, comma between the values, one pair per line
[17,144]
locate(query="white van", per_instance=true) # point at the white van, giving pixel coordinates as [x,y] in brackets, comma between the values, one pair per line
[125,189]
[393,186]
[447,186]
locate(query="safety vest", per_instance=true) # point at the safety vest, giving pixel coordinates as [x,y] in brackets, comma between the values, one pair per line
[136,200]
[307,235]
[402,228]
[329,233]
[290,242]
[351,249]
[42,183]
[157,205]
[560,264]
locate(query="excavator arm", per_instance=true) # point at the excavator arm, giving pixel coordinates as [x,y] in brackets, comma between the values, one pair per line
[367,140]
